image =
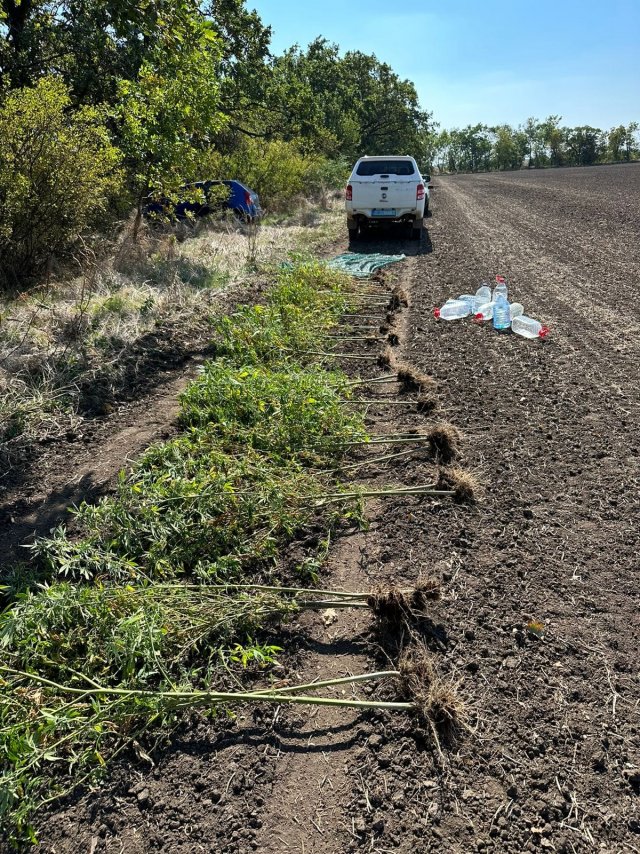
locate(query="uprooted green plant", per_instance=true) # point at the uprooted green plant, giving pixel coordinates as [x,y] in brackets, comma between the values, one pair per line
[89,669]
[299,412]
[215,504]
[155,611]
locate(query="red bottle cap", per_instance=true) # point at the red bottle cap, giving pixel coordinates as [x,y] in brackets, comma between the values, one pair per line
[500,279]
[544,332]
[436,312]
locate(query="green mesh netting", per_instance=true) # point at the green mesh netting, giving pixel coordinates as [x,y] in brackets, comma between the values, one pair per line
[362,265]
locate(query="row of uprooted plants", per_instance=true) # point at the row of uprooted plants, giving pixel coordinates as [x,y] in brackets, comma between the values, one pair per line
[168,595]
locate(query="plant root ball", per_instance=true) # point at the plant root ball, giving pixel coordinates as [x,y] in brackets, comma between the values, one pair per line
[426,590]
[386,358]
[392,339]
[390,606]
[411,379]
[437,702]
[444,442]
[466,487]
[395,607]
[399,298]
[427,402]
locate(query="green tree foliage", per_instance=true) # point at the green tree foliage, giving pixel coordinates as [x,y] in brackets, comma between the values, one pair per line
[509,147]
[170,113]
[584,145]
[536,144]
[57,171]
[343,105]
[91,44]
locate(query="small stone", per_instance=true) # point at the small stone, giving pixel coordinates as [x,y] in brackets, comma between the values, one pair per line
[143,796]
[360,824]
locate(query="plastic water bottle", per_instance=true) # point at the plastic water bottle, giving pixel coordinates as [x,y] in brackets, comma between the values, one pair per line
[453,309]
[483,296]
[500,288]
[469,299]
[515,309]
[501,319]
[528,327]
[484,312]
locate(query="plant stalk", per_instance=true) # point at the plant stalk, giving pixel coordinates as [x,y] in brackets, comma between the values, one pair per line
[194,698]
[347,680]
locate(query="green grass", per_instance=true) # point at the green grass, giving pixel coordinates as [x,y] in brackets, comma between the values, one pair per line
[127,601]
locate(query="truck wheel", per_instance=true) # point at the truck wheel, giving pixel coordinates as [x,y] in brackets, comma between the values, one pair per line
[353,234]
[416,230]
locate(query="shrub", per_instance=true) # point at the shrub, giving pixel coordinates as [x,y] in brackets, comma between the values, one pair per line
[280,172]
[58,170]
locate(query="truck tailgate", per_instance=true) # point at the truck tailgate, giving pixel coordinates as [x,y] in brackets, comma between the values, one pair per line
[383,194]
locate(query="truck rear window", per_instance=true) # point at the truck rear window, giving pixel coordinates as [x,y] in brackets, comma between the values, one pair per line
[385,167]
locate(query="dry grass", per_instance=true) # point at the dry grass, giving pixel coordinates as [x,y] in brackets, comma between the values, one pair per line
[58,337]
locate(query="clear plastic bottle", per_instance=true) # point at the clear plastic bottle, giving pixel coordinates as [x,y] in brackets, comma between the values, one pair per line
[501,319]
[500,288]
[483,296]
[484,312]
[528,327]
[469,299]
[515,309]
[453,309]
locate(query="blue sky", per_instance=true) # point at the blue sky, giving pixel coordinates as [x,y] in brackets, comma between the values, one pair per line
[489,61]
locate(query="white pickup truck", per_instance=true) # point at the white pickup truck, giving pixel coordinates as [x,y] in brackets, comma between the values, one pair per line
[384,190]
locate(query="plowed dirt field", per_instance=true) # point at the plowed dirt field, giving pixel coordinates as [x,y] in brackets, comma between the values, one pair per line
[539,620]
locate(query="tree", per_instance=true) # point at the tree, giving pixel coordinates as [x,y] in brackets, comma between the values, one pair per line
[615,142]
[509,147]
[170,113]
[553,139]
[343,105]
[58,170]
[583,145]
[630,142]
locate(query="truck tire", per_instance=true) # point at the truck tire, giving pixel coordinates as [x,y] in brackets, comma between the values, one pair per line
[353,234]
[416,230]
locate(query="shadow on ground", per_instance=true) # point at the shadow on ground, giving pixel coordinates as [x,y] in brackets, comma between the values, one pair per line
[391,240]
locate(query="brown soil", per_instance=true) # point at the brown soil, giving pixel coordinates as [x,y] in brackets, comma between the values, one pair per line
[538,623]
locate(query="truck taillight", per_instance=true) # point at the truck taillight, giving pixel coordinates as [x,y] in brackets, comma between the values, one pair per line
[247,199]
[349,193]
[419,192]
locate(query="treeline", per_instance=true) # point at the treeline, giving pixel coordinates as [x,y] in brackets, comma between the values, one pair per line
[104,103]
[536,144]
